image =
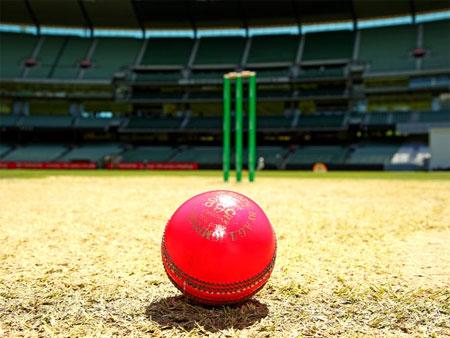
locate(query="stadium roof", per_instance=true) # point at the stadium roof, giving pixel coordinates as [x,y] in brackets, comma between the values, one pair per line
[197,14]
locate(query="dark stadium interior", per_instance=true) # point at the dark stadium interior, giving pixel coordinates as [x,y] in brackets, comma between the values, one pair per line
[361,98]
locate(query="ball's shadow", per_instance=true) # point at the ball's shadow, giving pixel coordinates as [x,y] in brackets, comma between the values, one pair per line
[174,312]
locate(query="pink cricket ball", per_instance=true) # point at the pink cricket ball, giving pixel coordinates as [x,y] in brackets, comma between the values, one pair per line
[219,248]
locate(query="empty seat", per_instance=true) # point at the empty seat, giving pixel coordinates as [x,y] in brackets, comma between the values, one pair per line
[378,118]
[159,76]
[210,123]
[51,48]
[434,116]
[373,154]
[388,49]
[68,63]
[4,149]
[273,122]
[436,41]
[46,122]
[153,123]
[92,153]
[321,121]
[15,49]
[8,121]
[219,51]
[112,55]
[35,153]
[313,154]
[273,49]
[148,154]
[328,45]
[169,52]
[201,155]
[95,123]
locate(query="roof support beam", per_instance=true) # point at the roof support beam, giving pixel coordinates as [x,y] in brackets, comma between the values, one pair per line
[138,17]
[33,16]
[243,15]
[353,14]
[412,8]
[297,17]
[87,19]
[191,18]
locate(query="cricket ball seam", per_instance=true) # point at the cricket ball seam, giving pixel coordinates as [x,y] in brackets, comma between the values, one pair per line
[215,288]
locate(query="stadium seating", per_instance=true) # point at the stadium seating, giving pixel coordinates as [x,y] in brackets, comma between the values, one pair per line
[9,121]
[208,75]
[95,123]
[67,65]
[220,51]
[167,52]
[31,122]
[321,72]
[14,50]
[321,121]
[388,49]
[153,123]
[201,155]
[376,154]
[377,118]
[308,155]
[273,156]
[148,154]
[328,45]
[46,58]
[209,123]
[4,149]
[92,153]
[273,73]
[273,49]
[159,76]
[274,122]
[112,55]
[434,116]
[401,116]
[35,153]
[436,40]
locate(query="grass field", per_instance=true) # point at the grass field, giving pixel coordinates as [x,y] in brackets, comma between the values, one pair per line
[80,255]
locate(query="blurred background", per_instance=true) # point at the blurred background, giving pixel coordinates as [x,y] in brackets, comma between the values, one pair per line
[353,84]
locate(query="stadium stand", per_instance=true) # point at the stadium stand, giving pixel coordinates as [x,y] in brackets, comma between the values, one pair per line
[308,155]
[274,122]
[436,41]
[159,76]
[380,154]
[388,49]
[153,123]
[202,155]
[322,72]
[92,153]
[96,123]
[220,51]
[434,116]
[328,45]
[204,123]
[4,149]
[321,121]
[377,118]
[12,58]
[50,49]
[67,65]
[47,122]
[167,52]
[35,153]
[112,55]
[9,121]
[148,154]
[273,156]
[263,47]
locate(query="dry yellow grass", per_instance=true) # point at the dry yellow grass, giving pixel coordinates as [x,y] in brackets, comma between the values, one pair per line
[79,256]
